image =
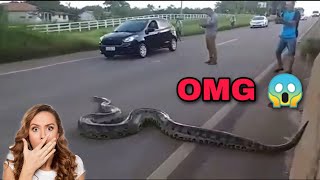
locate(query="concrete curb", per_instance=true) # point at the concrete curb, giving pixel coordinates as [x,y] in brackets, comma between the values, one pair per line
[305,164]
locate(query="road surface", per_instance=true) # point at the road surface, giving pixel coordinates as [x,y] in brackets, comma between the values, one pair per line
[136,83]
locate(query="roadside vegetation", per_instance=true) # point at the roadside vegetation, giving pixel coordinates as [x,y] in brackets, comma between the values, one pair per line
[17,44]
[310,48]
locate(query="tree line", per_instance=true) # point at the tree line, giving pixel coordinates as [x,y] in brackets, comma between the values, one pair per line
[111,9]
[114,9]
[250,7]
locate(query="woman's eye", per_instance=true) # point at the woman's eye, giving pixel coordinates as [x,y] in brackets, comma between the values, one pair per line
[50,128]
[34,129]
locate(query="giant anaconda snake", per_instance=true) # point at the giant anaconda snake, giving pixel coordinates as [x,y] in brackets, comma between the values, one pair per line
[109,123]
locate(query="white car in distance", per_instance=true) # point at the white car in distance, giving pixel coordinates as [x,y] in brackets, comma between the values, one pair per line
[259,21]
[303,17]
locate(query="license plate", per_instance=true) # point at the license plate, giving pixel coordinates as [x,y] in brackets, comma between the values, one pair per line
[110,48]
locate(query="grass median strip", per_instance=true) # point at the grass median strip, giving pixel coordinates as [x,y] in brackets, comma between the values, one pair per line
[17,44]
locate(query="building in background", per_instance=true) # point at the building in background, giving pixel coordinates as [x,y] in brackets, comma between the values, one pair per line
[21,13]
[54,17]
[24,13]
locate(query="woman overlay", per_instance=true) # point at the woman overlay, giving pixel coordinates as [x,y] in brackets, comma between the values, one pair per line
[40,150]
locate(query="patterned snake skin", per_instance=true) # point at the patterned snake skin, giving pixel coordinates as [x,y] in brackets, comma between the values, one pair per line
[109,123]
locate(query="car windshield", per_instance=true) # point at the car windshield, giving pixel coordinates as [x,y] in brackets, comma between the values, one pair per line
[258,18]
[132,26]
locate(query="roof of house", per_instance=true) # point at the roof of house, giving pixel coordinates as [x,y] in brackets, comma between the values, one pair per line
[19,7]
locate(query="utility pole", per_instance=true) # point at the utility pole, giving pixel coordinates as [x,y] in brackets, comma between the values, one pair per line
[244,7]
[181,10]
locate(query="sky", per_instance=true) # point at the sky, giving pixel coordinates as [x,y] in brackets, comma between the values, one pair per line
[308,6]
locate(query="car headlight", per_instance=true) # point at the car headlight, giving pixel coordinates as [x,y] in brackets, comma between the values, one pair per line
[129,39]
[101,38]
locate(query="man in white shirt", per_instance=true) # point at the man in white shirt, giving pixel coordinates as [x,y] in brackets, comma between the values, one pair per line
[232,20]
[211,28]
[179,28]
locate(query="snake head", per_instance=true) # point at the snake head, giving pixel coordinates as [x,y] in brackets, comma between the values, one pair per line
[101,100]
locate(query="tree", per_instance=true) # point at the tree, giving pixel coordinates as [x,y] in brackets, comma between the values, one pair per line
[220,7]
[46,5]
[51,6]
[251,7]
[140,12]
[98,11]
[3,19]
[150,7]
[73,13]
[172,10]
[228,6]
[277,6]
[118,8]
[239,7]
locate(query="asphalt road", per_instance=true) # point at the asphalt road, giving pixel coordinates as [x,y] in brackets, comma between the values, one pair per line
[135,83]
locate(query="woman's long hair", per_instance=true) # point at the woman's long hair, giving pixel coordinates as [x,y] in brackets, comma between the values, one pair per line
[63,161]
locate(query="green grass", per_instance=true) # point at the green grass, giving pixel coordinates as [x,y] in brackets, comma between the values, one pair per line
[17,44]
[192,27]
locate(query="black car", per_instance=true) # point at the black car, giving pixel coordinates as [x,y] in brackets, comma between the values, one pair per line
[139,36]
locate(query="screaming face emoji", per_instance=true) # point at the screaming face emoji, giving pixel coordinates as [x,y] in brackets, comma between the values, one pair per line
[285,90]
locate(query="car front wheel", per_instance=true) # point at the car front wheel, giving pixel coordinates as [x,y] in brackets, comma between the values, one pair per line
[173,44]
[143,50]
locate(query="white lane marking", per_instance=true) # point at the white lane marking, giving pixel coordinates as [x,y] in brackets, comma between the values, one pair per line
[40,67]
[172,162]
[227,42]
[287,138]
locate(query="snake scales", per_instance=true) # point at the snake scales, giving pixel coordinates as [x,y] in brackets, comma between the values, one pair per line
[109,123]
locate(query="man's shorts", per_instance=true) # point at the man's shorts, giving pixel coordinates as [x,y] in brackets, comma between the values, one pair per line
[290,44]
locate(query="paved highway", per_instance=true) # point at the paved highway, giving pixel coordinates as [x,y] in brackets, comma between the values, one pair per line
[68,83]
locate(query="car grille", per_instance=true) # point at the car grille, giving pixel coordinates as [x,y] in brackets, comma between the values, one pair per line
[109,41]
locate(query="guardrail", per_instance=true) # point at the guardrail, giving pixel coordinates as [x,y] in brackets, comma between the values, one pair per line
[89,25]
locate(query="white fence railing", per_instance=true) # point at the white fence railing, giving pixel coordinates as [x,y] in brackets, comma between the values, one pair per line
[89,25]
